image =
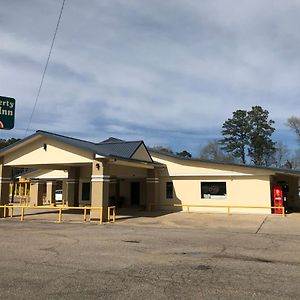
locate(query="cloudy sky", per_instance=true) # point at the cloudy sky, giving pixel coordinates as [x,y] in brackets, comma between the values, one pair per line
[168,72]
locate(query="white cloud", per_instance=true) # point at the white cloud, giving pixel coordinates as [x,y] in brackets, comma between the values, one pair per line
[145,68]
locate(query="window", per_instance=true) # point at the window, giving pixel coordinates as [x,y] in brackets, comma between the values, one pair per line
[213,189]
[169,190]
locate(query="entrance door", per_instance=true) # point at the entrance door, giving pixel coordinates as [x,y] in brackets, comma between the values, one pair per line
[135,193]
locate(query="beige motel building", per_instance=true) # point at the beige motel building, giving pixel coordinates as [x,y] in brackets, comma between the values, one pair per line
[129,175]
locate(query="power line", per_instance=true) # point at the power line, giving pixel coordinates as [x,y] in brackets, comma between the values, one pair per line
[45,69]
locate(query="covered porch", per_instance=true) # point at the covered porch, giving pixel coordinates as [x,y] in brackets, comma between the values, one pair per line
[90,179]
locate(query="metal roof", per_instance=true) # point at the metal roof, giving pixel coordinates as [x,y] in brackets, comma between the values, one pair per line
[111,147]
[275,170]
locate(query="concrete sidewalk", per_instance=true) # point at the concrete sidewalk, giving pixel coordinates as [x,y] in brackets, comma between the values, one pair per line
[242,223]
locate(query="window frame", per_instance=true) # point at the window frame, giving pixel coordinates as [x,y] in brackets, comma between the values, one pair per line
[213,196]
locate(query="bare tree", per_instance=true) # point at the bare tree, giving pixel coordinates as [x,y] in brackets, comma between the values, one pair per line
[294,162]
[281,156]
[294,123]
[212,151]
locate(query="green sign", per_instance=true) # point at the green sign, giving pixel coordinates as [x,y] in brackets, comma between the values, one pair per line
[7,112]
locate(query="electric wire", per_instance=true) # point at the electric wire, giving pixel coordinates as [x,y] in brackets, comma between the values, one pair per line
[45,69]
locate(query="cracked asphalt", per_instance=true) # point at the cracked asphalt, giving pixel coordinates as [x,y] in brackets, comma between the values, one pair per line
[165,257]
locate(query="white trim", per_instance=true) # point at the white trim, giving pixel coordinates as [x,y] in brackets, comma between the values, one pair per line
[100,180]
[5,181]
[152,180]
[99,156]
[100,176]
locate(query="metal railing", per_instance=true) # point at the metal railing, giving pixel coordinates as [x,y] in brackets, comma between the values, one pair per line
[85,209]
[24,200]
[228,207]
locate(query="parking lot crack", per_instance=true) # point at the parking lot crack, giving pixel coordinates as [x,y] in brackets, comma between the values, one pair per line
[260,226]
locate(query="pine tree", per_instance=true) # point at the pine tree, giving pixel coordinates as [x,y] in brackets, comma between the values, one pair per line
[249,132]
[236,135]
[261,147]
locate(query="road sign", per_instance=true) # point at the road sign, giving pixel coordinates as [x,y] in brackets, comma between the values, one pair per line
[7,112]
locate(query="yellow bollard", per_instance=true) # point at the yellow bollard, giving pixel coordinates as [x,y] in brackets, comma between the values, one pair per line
[4,212]
[283,213]
[11,212]
[84,215]
[114,214]
[60,215]
[228,210]
[22,214]
[101,215]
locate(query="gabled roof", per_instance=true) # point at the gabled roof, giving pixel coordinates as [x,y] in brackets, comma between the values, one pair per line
[111,140]
[111,147]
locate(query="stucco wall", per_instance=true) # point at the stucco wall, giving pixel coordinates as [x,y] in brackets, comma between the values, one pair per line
[141,154]
[120,171]
[55,153]
[240,192]
[245,186]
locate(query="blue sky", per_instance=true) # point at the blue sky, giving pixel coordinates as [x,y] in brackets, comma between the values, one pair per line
[168,72]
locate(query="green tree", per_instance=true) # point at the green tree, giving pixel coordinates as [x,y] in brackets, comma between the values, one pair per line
[4,143]
[249,133]
[261,147]
[236,135]
[184,154]
[163,149]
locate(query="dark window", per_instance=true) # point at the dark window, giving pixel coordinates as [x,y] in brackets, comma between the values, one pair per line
[209,189]
[169,190]
[86,189]
[135,193]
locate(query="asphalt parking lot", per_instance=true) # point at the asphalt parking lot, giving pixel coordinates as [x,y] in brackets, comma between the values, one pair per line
[172,256]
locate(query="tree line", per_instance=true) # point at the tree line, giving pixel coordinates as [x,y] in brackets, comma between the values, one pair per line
[247,139]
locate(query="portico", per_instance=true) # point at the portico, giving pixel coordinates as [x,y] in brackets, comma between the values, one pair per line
[93,178]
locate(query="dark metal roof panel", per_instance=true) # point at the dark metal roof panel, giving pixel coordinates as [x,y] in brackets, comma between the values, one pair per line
[111,140]
[85,145]
[111,147]
[120,149]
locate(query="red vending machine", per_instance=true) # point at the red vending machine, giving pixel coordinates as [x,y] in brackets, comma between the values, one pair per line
[278,198]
